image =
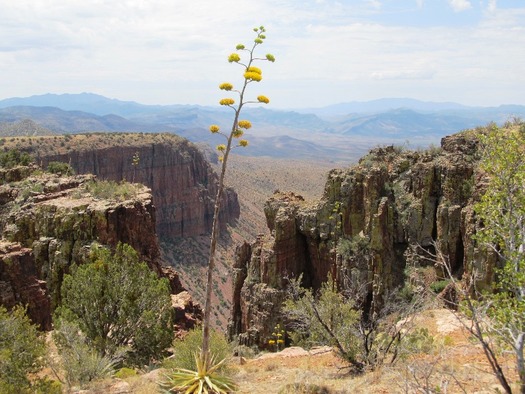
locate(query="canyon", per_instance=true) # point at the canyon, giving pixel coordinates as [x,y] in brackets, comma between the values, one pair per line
[375,225]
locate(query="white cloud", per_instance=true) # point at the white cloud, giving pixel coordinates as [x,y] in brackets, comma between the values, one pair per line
[460,5]
[375,4]
[171,51]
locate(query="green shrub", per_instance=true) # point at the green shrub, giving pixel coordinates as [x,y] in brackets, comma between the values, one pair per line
[416,342]
[124,373]
[185,349]
[438,286]
[21,351]
[356,247]
[47,386]
[29,188]
[13,158]
[111,190]
[61,168]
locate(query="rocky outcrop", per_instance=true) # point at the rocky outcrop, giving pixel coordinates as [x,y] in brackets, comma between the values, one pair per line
[375,220]
[183,184]
[50,222]
[20,283]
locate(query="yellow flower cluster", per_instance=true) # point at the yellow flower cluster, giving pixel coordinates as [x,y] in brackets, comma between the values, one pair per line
[254,69]
[226,86]
[253,76]
[234,57]
[240,47]
[243,143]
[221,147]
[244,124]
[270,57]
[214,128]
[263,99]
[277,337]
[227,101]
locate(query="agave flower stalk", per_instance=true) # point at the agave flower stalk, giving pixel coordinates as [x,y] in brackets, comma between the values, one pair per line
[250,74]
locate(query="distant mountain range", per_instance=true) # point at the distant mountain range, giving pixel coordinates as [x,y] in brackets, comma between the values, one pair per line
[340,132]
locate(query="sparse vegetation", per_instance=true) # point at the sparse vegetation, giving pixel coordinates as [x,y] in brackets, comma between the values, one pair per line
[13,157]
[303,388]
[111,190]
[81,363]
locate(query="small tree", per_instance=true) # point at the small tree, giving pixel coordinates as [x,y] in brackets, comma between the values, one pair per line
[498,316]
[118,302]
[21,351]
[135,161]
[331,317]
[502,213]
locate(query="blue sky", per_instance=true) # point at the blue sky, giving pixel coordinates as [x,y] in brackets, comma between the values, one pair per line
[174,52]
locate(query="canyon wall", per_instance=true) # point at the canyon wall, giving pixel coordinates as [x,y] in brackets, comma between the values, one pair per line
[183,184]
[375,222]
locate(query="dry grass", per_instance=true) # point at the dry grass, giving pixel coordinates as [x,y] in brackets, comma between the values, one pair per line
[456,366]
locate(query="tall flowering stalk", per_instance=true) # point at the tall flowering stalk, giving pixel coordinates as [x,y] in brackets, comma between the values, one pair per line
[233,139]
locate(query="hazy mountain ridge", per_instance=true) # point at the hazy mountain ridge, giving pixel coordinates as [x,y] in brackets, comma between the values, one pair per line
[341,132]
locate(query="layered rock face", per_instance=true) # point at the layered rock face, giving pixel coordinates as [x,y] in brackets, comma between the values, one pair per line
[183,184]
[50,222]
[375,220]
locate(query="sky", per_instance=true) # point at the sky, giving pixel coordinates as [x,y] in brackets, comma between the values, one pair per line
[175,52]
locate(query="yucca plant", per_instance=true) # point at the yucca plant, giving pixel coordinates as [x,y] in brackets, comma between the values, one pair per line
[205,380]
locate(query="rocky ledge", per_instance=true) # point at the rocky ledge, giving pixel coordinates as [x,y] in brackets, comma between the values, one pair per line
[50,221]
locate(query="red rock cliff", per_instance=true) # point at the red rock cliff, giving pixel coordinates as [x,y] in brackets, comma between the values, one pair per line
[182,182]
